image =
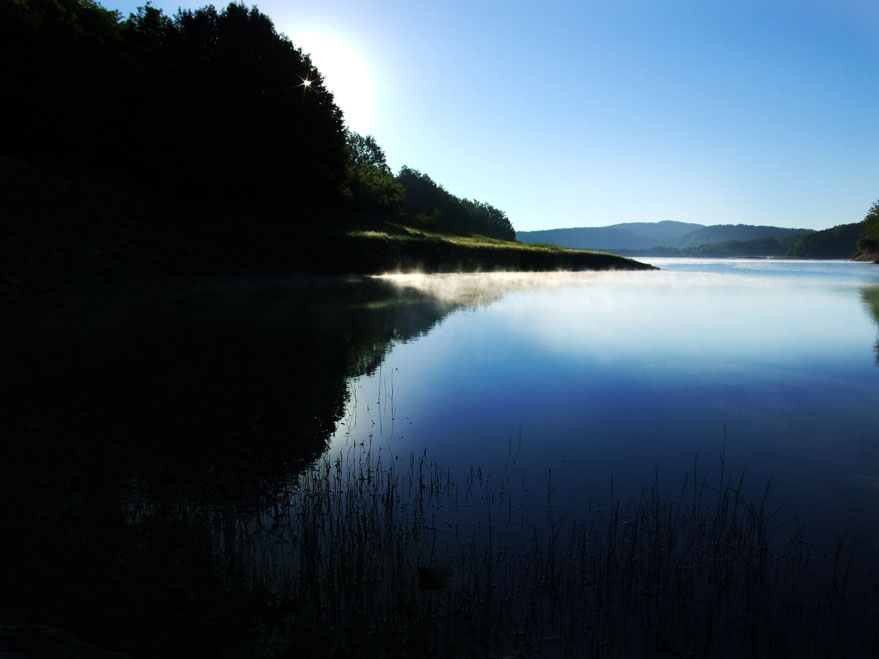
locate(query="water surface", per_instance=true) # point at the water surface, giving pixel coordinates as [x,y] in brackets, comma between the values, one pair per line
[572,381]
[203,435]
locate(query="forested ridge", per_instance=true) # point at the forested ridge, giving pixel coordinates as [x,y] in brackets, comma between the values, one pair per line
[677,239]
[868,245]
[858,240]
[209,107]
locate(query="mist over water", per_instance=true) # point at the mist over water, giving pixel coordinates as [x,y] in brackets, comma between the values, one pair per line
[626,376]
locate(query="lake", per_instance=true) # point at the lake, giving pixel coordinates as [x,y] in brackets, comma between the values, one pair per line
[589,378]
[546,448]
[634,376]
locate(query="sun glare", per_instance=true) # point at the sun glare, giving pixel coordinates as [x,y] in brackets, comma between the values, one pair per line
[345,73]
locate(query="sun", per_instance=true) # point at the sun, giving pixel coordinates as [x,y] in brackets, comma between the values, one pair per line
[345,73]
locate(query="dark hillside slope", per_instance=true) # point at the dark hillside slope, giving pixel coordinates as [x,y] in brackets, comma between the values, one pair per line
[839,242]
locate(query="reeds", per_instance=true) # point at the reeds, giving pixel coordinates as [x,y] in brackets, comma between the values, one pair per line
[346,547]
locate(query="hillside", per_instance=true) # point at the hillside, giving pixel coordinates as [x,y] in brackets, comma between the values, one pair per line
[868,242]
[624,236]
[65,229]
[723,233]
[670,238]
[756,248]
[232,119]
[839,242]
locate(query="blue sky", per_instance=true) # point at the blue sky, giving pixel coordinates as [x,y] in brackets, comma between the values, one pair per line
[591,113]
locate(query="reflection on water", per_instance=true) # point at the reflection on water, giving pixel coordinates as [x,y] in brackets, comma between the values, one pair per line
[139,424]
[633,373]
[870,296]
[242,380]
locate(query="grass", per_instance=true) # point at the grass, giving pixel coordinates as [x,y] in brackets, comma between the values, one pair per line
[371,554]
[405,234]
[397,248]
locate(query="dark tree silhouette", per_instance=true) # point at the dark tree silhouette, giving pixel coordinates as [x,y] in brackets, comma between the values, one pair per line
[364,150]
[429,205]
[213,107]
[210,105]
[371,184]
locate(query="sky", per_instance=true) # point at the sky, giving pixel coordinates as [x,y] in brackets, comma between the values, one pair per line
[591,113]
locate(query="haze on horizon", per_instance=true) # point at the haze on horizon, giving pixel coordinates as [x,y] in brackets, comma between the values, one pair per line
[593,113]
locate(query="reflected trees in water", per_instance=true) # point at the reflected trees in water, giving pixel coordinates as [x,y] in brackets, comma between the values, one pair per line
[870,297]
[140,423]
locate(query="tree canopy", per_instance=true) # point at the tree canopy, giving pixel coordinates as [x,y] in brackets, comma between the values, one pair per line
[429,205]
[837,242]
[869,241]
[208,103]
[372,186]
[210,106]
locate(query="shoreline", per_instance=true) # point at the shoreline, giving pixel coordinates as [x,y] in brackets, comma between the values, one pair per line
[68,230]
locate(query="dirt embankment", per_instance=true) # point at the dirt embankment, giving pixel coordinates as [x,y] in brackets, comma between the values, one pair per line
[868,256]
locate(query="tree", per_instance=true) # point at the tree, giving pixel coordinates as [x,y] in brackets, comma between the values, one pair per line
[371,184]
[429,204]
[871,222]
[258,126]
[60,59]
[213,106]
[869,241]
[364,150]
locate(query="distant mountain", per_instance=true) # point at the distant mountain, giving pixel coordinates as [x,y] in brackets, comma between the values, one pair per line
[722,233]
[758,247]
[664,232]
[627,235]
[668,237]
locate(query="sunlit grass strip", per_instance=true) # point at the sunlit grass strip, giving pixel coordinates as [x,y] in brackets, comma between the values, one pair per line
[410,234]
[345,548]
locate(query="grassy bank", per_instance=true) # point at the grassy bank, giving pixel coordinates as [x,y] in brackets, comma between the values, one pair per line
[65,228]
[406,249]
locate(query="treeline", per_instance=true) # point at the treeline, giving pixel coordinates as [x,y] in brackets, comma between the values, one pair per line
[868,244]
[844,241]
[415,197]
[211,107]
[839,242]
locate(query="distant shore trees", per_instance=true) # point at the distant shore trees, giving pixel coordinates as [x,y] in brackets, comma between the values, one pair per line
[869,241]
[837,242]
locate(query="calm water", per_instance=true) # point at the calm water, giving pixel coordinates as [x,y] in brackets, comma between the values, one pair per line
[570,382]
[553,383]
[146,426]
